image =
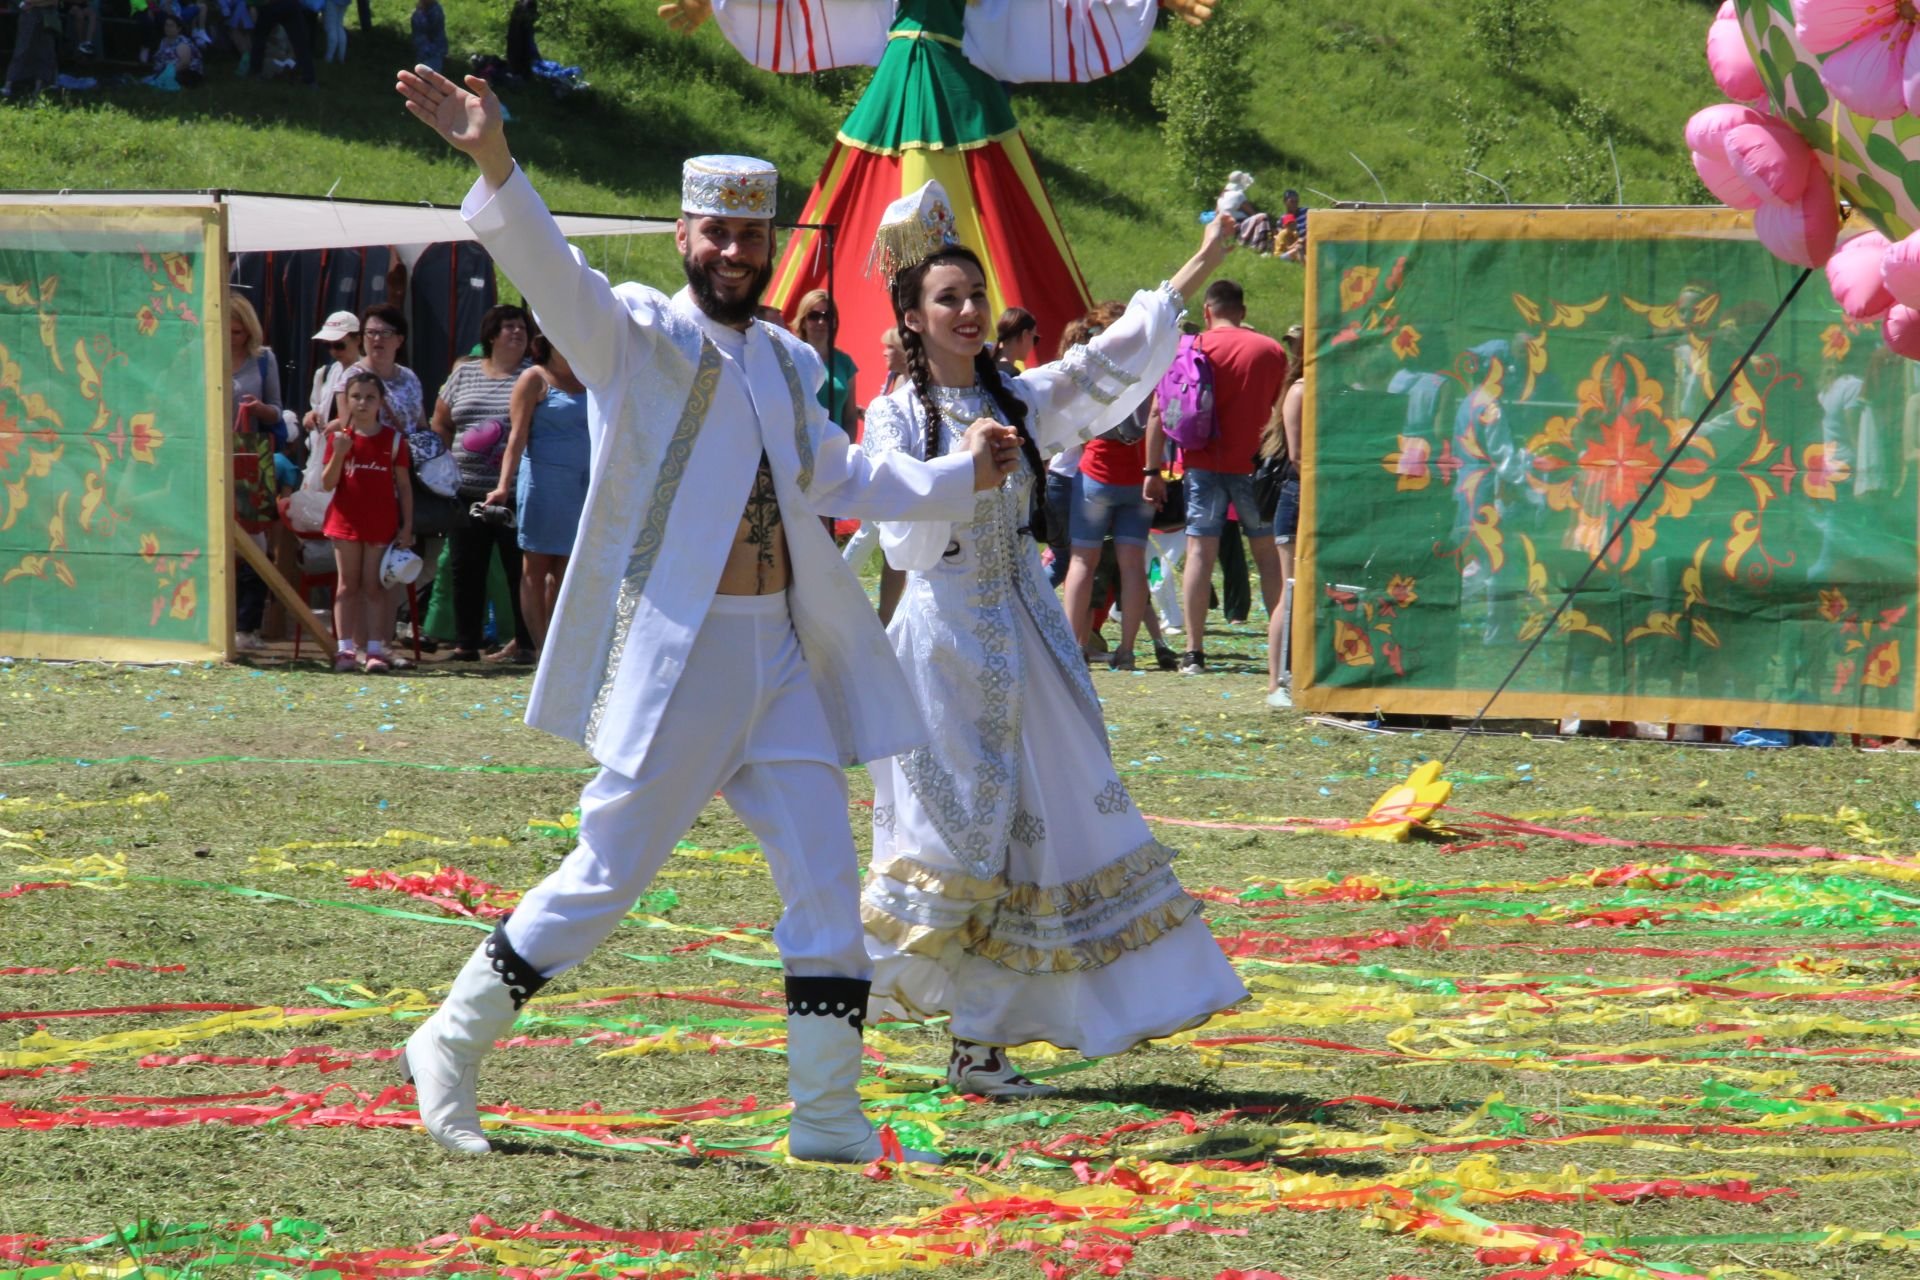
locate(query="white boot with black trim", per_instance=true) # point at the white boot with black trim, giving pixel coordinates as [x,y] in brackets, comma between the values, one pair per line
[442,1058]
[824,1021]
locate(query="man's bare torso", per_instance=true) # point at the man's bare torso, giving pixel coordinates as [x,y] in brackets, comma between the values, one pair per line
[757,561]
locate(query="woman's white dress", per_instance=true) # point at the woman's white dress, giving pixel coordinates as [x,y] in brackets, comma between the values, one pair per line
[1014,884]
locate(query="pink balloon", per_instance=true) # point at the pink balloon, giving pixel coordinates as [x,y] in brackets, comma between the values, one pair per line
[1723,182]
[1771,159]
[1900,269]
[1803,232]
[1707,129]
[1732,62]
[1853,273]
[483,437]
[1901,329]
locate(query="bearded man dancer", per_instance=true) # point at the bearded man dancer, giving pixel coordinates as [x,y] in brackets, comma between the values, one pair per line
[746,660]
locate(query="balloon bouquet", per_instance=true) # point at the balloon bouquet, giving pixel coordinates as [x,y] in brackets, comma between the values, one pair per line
[1825,96]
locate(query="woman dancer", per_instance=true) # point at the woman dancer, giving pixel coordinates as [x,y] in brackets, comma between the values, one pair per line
[1015,887]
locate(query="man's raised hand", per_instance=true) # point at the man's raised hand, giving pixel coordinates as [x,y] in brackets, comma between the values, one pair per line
[995,449]
[469,118]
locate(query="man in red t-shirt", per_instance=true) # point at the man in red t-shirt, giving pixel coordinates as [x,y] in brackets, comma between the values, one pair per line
[1249,372]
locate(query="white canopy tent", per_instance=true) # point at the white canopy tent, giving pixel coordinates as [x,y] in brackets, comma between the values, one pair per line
[259,223]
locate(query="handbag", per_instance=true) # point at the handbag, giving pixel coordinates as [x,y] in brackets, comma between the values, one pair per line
[255,500]
[433,465]
[307,509]
[1273,472]
[435,515]
[307,506]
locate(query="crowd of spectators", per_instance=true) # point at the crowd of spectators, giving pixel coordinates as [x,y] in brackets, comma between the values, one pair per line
[167,44]
[496,472]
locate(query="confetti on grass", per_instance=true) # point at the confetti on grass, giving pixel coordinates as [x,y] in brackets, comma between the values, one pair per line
[1769,972]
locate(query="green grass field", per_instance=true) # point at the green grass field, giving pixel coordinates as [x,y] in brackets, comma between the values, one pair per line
[1453,1050]
[1669,1040]
[1403,88]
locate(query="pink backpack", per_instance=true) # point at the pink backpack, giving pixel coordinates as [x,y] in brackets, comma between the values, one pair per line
[1186,398]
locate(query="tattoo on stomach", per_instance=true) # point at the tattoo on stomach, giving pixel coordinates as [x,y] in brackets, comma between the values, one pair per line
[762,518]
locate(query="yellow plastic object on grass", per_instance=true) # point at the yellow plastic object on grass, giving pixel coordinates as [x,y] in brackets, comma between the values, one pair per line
[1395,814]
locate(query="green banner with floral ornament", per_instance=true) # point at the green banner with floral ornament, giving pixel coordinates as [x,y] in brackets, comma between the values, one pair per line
[114,461]
[1489,393]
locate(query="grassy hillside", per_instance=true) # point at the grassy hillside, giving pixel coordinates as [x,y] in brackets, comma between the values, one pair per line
[1415,90]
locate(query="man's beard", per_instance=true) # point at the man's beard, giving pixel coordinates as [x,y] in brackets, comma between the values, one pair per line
[719,309]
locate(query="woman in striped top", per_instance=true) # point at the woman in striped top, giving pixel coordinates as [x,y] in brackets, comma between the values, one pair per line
[472,416]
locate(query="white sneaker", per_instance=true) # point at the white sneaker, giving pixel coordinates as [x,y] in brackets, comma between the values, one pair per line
[248,641]
[1280,698]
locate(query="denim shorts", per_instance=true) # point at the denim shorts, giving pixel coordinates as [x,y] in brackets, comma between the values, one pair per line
[1209,492]
[1286,516]
[1100,508]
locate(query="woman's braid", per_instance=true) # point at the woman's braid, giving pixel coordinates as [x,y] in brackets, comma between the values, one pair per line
[921,372]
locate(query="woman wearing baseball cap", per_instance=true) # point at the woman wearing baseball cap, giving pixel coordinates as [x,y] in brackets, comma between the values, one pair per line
[341,333]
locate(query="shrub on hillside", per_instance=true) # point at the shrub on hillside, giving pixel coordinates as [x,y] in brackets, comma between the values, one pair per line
[1203,97]
[1514,34]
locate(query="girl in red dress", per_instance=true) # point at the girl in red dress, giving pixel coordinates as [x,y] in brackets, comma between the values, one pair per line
[366,470]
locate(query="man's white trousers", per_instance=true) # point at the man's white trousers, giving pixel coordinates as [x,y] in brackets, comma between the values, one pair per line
[744,721]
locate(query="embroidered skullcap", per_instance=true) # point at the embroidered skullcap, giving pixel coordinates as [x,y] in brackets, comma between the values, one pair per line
[912,229]
[728,187]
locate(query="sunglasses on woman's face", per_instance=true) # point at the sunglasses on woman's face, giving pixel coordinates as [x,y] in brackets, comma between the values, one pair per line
[818,317]
[336,346]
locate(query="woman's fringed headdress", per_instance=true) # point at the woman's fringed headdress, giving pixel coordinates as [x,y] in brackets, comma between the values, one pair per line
[912,229]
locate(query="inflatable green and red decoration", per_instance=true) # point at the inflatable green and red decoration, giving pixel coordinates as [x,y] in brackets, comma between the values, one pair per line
[937,108]
[1824,105]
